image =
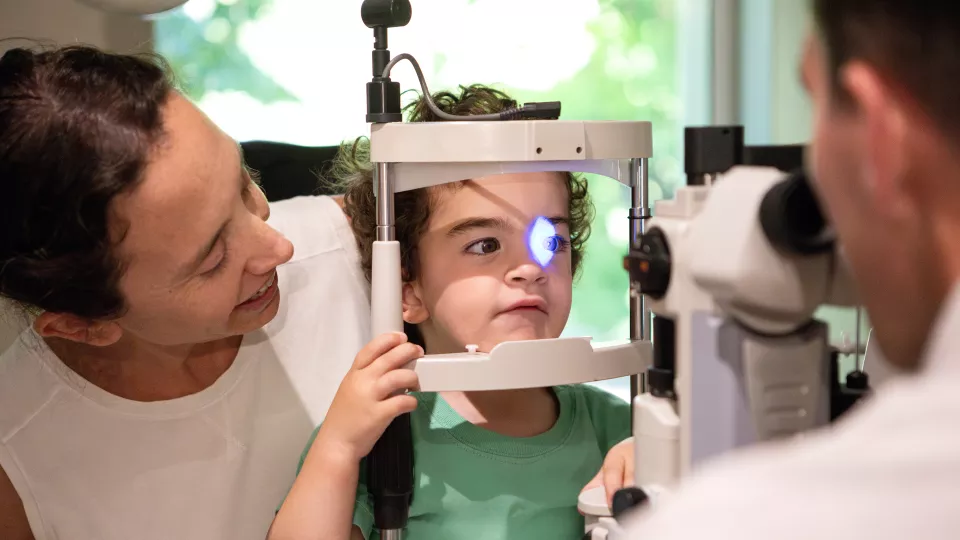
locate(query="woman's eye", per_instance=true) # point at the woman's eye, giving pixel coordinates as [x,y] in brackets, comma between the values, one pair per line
[485,246]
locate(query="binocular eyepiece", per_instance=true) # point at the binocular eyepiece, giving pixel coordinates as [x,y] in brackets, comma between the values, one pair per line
[792,220]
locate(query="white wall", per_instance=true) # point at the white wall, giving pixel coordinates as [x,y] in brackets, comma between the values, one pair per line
[65,22]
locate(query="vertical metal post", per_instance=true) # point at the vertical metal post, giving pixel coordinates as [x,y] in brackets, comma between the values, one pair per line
[390,462]
[857,364]
[384,194]
[639,213]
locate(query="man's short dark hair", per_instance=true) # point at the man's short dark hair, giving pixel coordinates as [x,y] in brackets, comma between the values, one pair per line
[913,43]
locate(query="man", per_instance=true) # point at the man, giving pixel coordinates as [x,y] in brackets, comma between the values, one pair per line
[884,77]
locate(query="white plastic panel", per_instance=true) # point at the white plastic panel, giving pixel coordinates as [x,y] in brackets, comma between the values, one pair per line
[407,176]
[533,364]
[733,260]
[515,140]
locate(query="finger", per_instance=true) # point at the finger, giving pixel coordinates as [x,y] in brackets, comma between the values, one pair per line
[377,347]
[395,358]
[398,405]
[612,478]
[629,473]
[397,380]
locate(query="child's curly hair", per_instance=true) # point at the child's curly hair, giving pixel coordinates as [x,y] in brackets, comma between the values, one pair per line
[352,174]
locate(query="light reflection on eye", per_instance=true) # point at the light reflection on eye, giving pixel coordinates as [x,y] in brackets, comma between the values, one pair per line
[543,241]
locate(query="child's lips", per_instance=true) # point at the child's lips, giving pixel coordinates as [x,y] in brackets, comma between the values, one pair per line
[527,305]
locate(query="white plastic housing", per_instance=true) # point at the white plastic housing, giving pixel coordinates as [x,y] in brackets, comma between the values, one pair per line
[386,288]
[768,290]
[676,219]
[533,364]
[656,430]
[433,153]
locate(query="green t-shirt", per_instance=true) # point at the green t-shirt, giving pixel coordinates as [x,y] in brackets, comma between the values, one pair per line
[472,483]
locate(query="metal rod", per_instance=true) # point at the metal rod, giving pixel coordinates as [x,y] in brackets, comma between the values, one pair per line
[386,232]
[384,186]
[857,364]
[639,213]
[391,534]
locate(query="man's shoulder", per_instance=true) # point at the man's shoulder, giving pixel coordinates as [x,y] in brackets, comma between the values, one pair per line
[889,463]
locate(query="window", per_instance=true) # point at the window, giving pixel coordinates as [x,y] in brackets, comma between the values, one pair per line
[294,71]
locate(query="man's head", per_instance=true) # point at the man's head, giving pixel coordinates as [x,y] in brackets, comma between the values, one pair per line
[469,277]
[883,76]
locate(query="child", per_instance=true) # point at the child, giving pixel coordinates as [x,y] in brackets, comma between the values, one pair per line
[499,464]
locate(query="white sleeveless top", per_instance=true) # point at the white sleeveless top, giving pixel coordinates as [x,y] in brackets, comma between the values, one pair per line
[89,465]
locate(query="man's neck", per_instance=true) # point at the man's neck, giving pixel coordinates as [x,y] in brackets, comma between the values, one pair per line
[141,371]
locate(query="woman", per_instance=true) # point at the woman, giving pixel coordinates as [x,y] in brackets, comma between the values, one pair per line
[181,351]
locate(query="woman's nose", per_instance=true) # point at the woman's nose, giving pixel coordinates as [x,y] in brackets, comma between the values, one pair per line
[273,249]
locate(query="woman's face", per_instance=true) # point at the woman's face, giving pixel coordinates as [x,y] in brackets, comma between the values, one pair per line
[200,260]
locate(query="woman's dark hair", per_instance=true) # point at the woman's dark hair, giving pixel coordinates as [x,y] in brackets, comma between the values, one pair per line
[914,43]
[76,128]
[352,174]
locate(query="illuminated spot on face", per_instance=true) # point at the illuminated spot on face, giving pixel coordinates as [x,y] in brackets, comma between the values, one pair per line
[542,241]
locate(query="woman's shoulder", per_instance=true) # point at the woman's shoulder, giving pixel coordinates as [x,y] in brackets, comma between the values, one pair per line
[27,382]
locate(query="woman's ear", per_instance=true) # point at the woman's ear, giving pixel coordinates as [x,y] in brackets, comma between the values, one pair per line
[80,330]
[414,310]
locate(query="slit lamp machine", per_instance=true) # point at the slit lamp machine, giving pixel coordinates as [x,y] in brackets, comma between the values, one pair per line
[724,350]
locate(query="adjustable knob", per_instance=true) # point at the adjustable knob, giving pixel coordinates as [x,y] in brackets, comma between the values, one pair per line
[385,13]
[627,499]
[649,265]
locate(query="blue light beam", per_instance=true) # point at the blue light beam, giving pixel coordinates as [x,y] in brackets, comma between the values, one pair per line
[542,241]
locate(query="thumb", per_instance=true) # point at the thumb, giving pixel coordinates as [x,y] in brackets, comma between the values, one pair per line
[613,476]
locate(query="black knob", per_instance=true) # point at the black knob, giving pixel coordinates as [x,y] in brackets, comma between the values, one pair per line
[858,380]
[385,13]
[649,265]
[627,499]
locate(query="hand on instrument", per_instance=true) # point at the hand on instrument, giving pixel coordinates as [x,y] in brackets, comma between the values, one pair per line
[617,470]
[371,396]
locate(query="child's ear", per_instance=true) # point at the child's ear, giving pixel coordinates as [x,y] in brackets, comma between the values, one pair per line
[414,310]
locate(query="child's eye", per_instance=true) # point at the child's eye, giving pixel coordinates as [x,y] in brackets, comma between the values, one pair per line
[484,246]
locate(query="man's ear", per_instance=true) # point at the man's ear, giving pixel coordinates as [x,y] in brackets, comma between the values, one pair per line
[884,118]
[78,329]
[414,310]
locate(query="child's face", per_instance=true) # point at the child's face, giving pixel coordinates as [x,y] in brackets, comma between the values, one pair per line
[477,281]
